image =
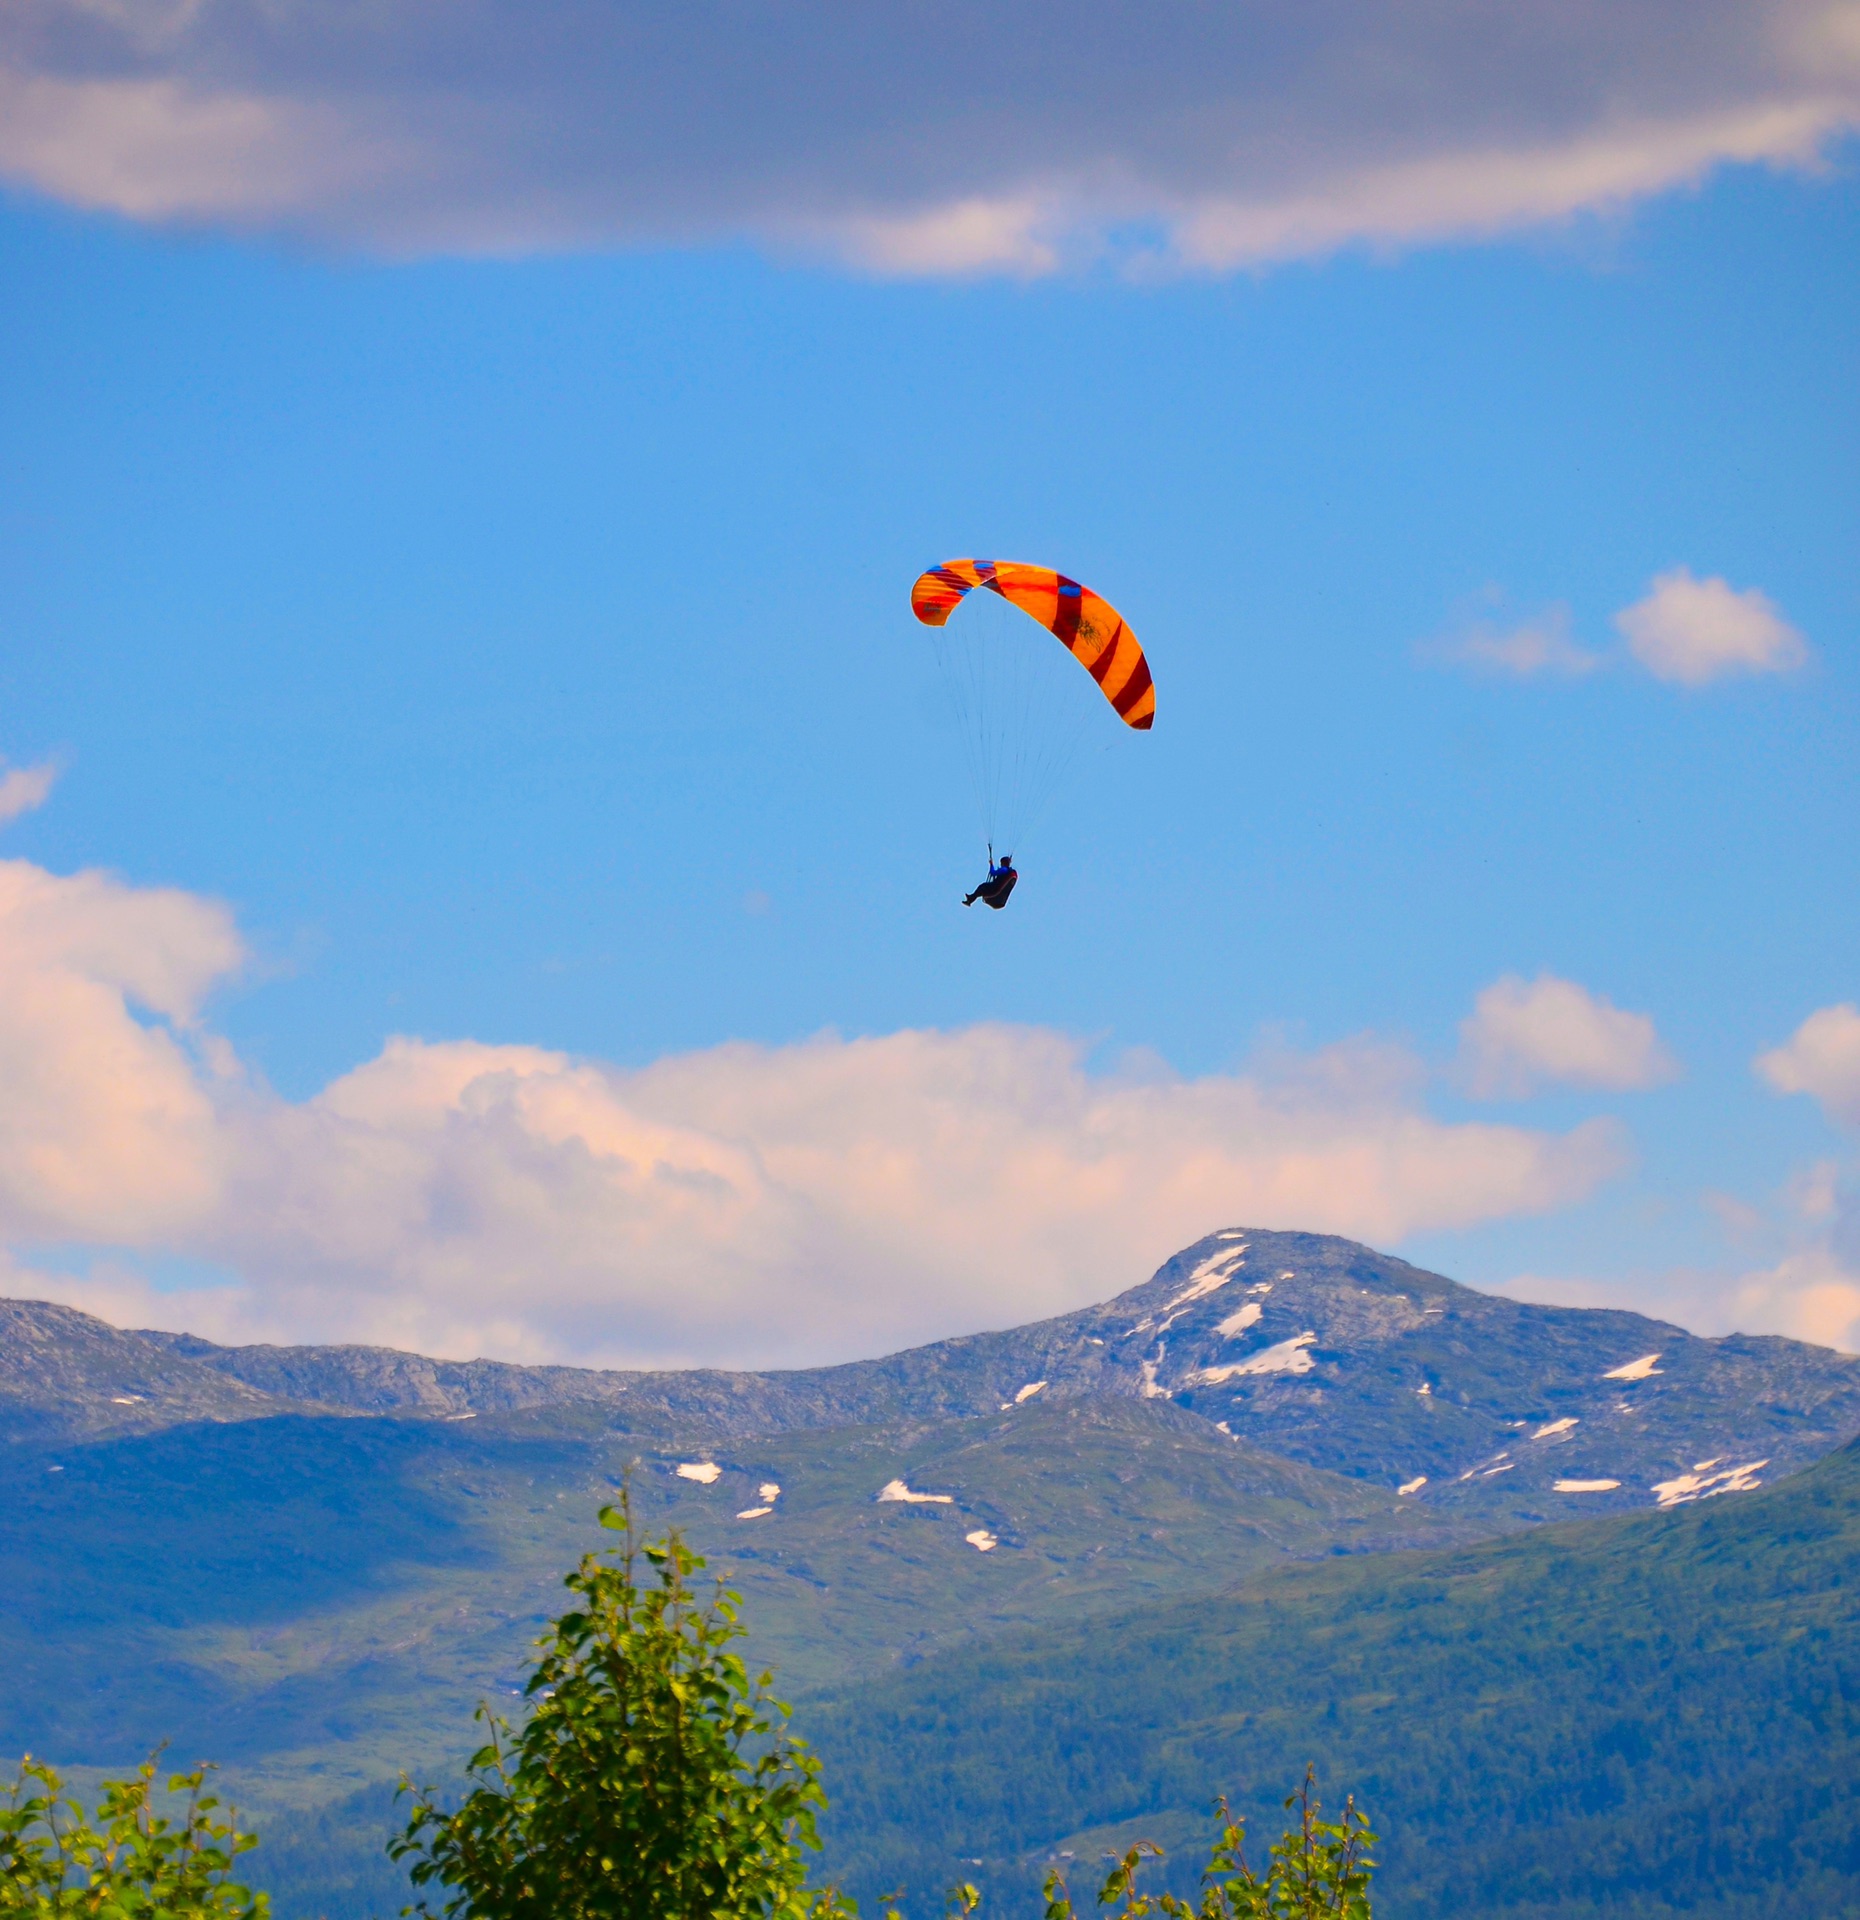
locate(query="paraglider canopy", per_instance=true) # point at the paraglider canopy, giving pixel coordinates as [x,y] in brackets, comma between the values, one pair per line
[1090,628]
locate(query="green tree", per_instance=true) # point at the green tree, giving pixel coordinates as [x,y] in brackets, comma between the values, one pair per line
[652,1780]
[136,1863]
[1318,1871]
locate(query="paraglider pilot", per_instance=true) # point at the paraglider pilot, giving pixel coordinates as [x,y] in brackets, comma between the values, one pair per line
[995,889]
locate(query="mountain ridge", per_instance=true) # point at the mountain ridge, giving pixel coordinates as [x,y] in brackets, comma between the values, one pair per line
[1312,1346]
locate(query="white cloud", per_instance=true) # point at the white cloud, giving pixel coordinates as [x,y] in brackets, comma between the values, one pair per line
[155,148]
[1822,1059]
[108,1124]
[24,789]
[1542,645]
[1692,631]
[742,1203]
[1810,1289]
[1477,190]
[962,238]
[1523,1034]
[968,138]
[1811,1293]
[1813,1192]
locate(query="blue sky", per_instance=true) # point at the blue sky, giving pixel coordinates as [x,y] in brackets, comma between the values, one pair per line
[518,648]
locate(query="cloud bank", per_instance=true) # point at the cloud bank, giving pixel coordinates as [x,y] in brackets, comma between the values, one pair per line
[928,137]
[742,1204]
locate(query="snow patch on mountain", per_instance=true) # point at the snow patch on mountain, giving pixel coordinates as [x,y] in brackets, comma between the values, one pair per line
[1684,1488]
[1286,1356]
[1212,1274]
[897,1492]
[1481,1468]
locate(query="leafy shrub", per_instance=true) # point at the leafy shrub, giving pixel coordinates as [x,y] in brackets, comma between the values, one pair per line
[136,1864]
[1319,1871]
[653,1779]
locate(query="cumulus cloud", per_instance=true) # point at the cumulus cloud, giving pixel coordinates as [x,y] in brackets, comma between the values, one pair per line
[741,1203]
[1525,1034]
[1822,1059]
[1693,631]
[1811,1293]
[1540,646]
[1685,630]
[24,789]
[944,138]
[1805,1284]
[108,1125]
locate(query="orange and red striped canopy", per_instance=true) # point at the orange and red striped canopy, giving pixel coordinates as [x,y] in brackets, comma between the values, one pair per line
[1091,628]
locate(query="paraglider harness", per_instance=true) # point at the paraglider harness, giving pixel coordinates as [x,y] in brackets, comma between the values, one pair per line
[995,889]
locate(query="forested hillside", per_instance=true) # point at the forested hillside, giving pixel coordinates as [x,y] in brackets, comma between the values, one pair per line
[1643,1716]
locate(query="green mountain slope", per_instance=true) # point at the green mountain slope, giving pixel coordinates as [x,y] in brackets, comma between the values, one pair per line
[263,1589]
[1650,1715]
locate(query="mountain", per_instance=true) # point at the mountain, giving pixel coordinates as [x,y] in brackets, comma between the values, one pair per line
[1315,1348]
[66,1375]
[310,1563]
[1641,1716]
